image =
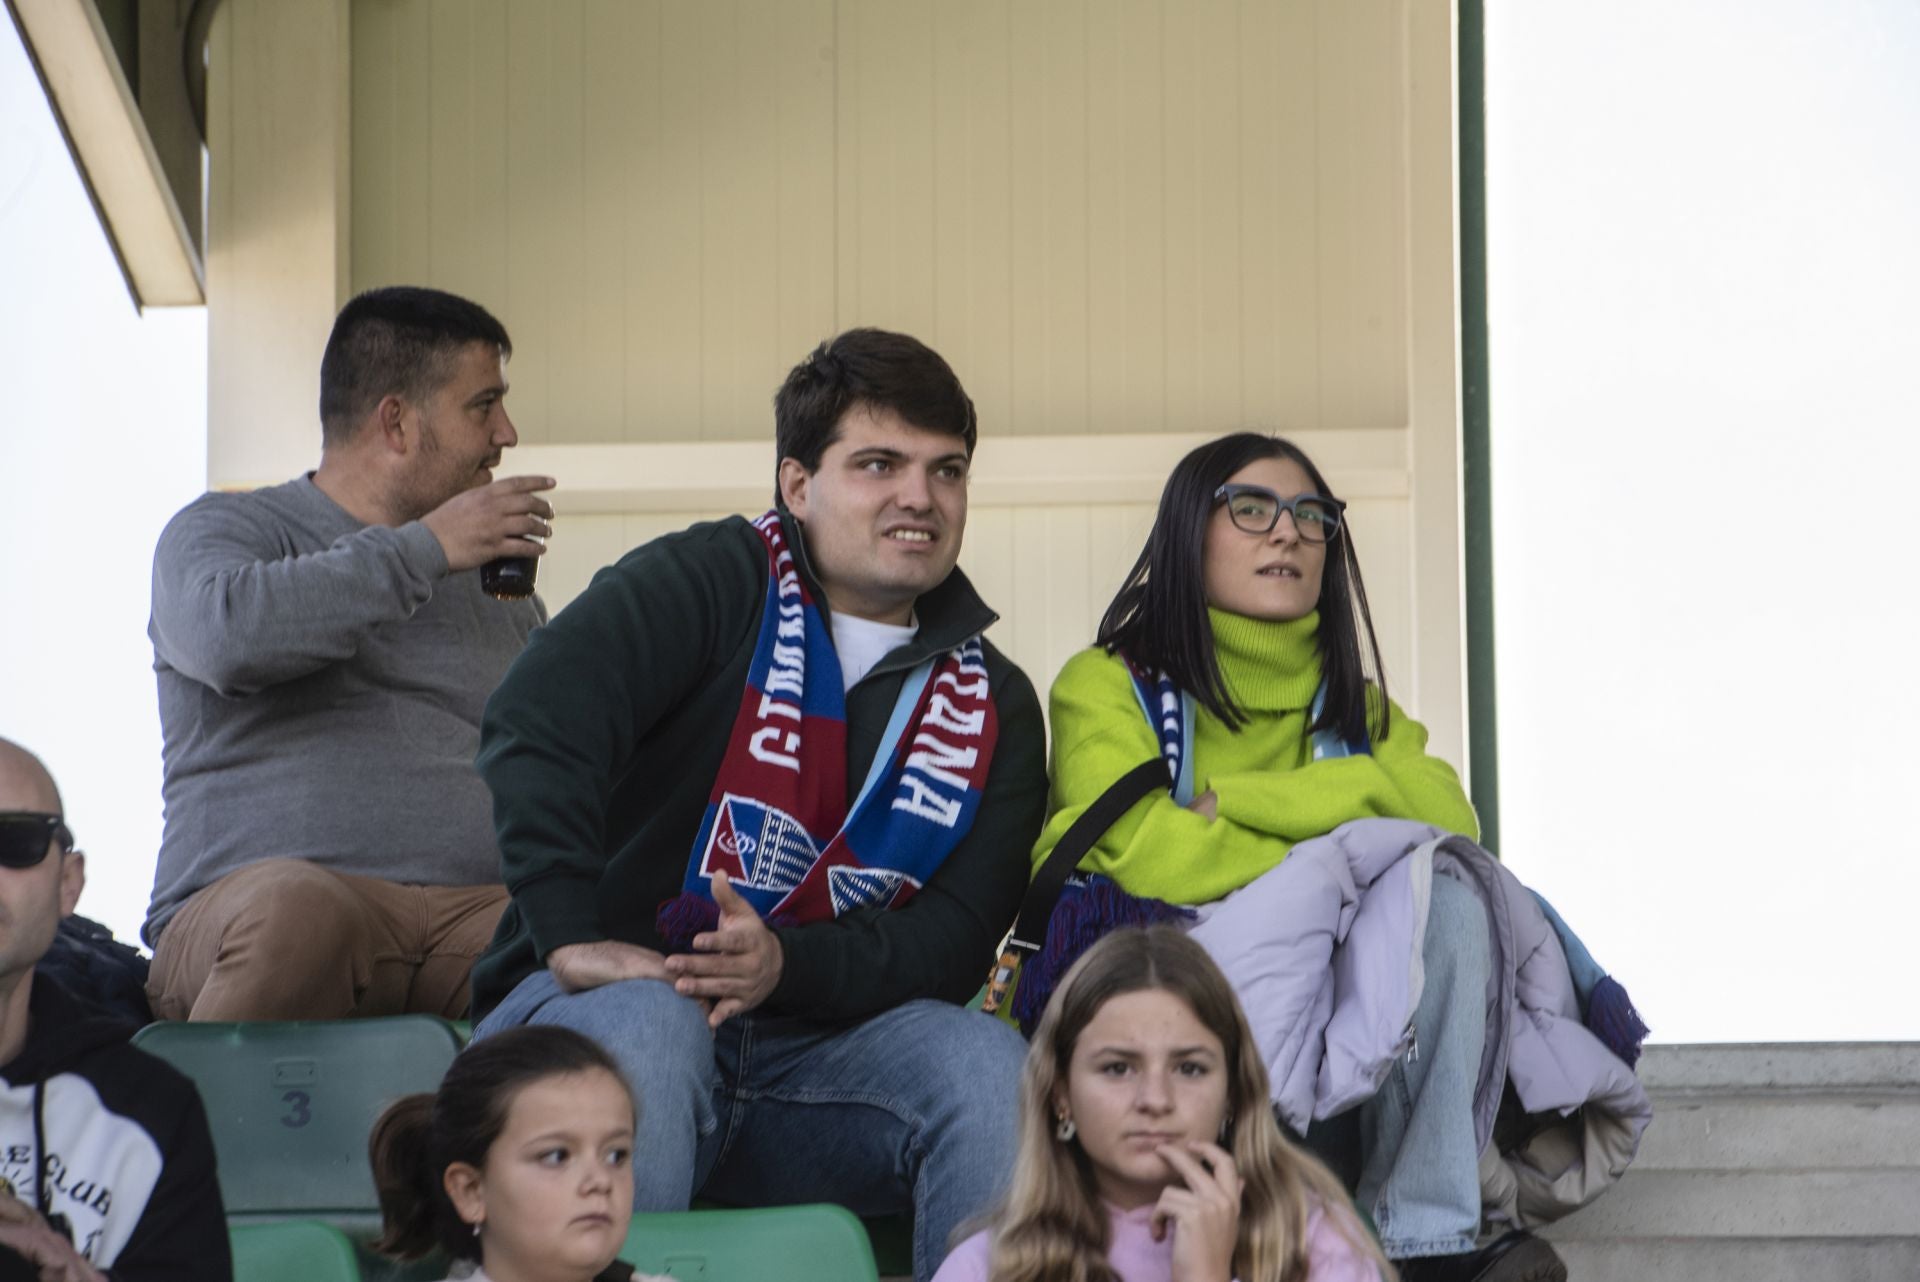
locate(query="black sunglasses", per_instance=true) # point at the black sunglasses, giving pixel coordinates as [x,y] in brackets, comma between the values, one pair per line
[27,835]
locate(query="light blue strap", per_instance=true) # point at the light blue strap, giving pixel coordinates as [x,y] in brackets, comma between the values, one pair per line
[1328,743]
[1183,786]
[910,691]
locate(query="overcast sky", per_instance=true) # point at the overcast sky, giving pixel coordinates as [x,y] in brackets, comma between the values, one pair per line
[1705,303]
[102,438]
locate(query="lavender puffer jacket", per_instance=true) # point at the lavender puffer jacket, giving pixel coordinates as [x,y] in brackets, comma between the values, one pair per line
[1325,953]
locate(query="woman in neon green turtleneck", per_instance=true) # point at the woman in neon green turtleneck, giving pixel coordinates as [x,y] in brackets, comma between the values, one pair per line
[1241,649]
[1247,605]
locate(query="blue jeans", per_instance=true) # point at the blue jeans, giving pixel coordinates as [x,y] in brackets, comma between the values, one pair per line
[914,1109]
[1420,1164]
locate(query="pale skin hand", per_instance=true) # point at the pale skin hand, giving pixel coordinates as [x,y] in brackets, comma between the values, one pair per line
[578,967]
[1206,805]
[501,519]
[1203,1216]
[26,1234]
[736,965]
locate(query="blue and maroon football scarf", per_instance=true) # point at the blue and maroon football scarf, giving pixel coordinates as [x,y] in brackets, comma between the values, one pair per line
[777,822]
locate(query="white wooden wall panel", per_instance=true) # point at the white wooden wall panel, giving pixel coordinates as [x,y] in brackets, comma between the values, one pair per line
[1047,561]
[277,229]
[1128,223]
[1143,216]
[642,191]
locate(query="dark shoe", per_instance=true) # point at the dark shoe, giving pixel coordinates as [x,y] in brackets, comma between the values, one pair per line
[1517,1257]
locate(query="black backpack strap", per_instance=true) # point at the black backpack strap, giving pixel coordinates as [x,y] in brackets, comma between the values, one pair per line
[1030,929]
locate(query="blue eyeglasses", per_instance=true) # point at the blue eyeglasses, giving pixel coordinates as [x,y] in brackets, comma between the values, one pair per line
[1256,509]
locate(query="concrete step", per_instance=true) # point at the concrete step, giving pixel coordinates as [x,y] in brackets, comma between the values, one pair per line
[1795,1162]
[1743,1260]
[1751,1204]
[1743,1131]
[1783,1066]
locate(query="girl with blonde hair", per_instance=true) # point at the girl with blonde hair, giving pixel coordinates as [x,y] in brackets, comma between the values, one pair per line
[1147,1151]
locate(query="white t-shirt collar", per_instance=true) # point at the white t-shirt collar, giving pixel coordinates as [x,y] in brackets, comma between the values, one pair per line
[862,643]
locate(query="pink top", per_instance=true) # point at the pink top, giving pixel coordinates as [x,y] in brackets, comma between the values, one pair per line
[480,1275]
[1136,1257]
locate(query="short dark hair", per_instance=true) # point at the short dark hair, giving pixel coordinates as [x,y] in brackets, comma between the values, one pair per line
[873,367]
[419,1136]
[400,339]
[1159,618]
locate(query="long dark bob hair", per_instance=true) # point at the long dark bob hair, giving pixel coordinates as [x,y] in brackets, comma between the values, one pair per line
[1159,619]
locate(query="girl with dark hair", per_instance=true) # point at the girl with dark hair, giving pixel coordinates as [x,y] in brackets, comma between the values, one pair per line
[1147,1152]
[521,1162]
[1241,651]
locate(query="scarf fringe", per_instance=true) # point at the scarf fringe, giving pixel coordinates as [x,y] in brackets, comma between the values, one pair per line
[1612,1018]
[1084,914]
[683,917]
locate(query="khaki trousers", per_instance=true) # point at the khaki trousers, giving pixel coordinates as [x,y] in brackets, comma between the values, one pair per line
[285,939]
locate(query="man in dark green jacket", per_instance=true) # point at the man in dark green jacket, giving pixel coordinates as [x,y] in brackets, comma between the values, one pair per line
[764,799]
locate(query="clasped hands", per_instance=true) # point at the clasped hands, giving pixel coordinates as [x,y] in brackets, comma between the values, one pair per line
[732,969]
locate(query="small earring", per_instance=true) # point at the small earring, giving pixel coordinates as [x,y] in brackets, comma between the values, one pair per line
[476,1227]
[1065,1131]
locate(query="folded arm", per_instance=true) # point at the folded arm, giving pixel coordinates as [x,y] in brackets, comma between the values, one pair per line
[236,609]
[1159,848]
[564,726]
[1185,855]
[1399,780]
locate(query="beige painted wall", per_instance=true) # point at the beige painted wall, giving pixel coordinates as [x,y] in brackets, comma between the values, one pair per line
[1129,225]
[1126,217]
[1048,566]
[277,230]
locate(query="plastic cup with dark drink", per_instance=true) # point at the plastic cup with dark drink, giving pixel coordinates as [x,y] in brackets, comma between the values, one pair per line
[509,578]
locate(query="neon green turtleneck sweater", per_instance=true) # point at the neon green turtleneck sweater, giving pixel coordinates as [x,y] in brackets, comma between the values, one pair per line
[1271,792]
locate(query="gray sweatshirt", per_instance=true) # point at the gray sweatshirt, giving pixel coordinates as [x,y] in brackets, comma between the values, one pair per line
[321,683]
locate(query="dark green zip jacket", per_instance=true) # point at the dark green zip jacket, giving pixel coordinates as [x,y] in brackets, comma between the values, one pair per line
[602,744]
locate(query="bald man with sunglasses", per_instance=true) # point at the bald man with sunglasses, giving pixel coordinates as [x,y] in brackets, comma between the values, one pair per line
[106,1165]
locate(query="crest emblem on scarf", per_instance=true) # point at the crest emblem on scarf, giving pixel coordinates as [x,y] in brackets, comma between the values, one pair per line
[758,845]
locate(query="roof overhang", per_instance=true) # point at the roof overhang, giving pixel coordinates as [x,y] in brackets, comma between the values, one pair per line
[108,137]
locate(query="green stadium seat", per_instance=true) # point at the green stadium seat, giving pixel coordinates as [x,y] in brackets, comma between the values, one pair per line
[889,1236]
[793,1243]
[290,1106]
[291,1251]
[378,1268]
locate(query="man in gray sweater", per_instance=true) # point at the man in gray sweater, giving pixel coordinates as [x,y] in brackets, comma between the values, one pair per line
[324,650]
